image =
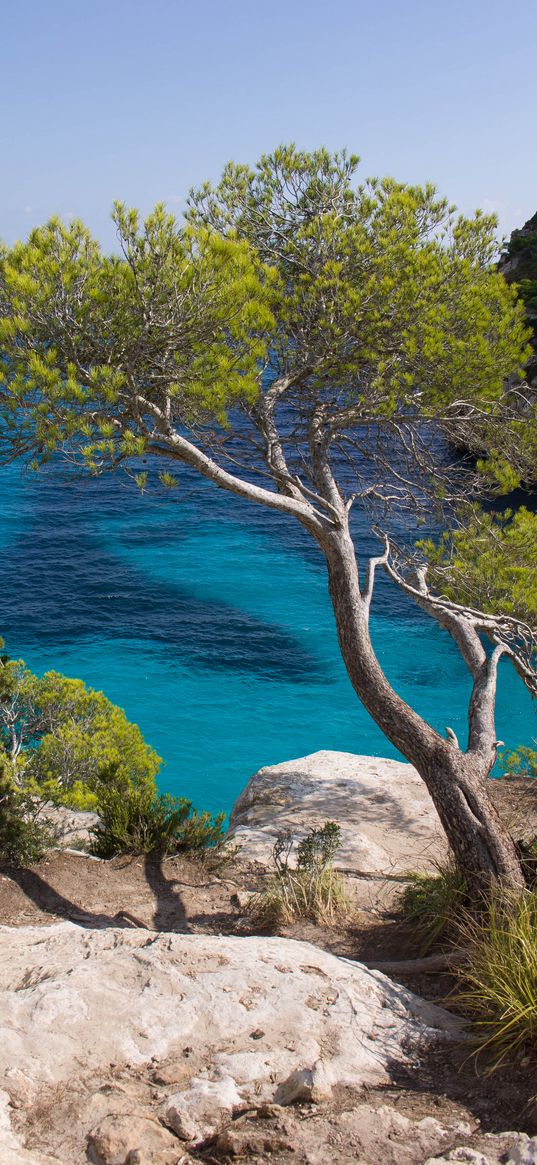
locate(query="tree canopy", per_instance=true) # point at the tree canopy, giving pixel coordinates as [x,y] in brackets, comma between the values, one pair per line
[377,300]
[489,562]
[311,345]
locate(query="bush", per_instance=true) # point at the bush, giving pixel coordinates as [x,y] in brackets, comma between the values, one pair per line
[500,979]
[312,890]
[432,904]
[24,837]
[522,763]
[61,737]
[134,820]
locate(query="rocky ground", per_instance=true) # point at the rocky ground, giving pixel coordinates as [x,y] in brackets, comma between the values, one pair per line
[143,1023]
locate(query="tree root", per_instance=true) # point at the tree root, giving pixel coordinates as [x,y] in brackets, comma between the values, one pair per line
[428,965]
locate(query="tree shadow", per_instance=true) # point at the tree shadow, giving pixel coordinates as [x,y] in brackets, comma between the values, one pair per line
[500,1098]
[170,913]
[47,899]
[167,912]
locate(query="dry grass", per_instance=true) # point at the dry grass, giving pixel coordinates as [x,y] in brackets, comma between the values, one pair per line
[312,890]
[500,977]
[432,904]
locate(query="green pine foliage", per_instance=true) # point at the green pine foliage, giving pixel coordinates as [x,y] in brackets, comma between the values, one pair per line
[377,295]
[64,743]
[489,562]
[25,835]
[134,820]
[521,763]
[210,308]
[61,736]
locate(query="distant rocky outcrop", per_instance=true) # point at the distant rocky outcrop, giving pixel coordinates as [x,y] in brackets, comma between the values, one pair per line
[518,264]
[388,822]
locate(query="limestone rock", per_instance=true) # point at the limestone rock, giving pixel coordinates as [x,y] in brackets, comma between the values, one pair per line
[204,1108]
[492,1149]
[239,1142]
[388,821]
[176,1116]
[524,1152]
[131,1140]
[82,1011]
[73,826]
[306,1084]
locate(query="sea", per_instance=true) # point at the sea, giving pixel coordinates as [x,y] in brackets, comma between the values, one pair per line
[208,620]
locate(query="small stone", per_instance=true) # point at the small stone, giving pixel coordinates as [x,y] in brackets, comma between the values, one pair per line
[241,900]
[257,1034]
[203,1109]
[170,1074]
[524,1152]
[176,1116]
[131,1140]
[305,1085]
[229,1143]
[268,1111]
[241,1142]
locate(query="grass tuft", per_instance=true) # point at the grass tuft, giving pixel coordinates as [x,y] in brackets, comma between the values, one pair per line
[500,979]
[432,904]
[312,890]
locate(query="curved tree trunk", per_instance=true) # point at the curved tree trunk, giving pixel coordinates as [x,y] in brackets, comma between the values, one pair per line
[482,846]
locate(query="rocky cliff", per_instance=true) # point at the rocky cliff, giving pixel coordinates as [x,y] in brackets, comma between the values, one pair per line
[518,264]
[162,1044]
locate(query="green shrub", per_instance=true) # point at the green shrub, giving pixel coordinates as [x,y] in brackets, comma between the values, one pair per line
[24,837]
[522,763]
[432,904]
[60,737]
[500,980]
[134,820]
[201,831]
[527,289]
[313,890]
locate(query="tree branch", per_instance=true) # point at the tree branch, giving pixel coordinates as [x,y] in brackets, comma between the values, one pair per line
[169,442]
[481,723]
[369,584]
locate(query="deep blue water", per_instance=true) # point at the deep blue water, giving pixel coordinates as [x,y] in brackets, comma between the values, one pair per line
[208,621]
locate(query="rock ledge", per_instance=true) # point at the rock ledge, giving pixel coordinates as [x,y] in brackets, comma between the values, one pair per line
[388,822]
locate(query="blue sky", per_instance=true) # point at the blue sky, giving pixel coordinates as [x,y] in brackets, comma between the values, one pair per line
[138,100]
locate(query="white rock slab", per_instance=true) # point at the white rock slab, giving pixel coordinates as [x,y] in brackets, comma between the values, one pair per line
[388,822]
[246,1013]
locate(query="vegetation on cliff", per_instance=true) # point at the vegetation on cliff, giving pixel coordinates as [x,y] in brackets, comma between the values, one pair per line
[308,345]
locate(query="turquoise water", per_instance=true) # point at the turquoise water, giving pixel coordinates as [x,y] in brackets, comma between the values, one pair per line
[208,621]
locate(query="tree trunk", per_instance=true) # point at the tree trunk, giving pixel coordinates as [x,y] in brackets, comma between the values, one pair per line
[482,847]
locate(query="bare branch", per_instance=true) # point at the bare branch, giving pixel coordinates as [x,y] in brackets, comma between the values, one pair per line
[369,584]
[171,443]
[482,734]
